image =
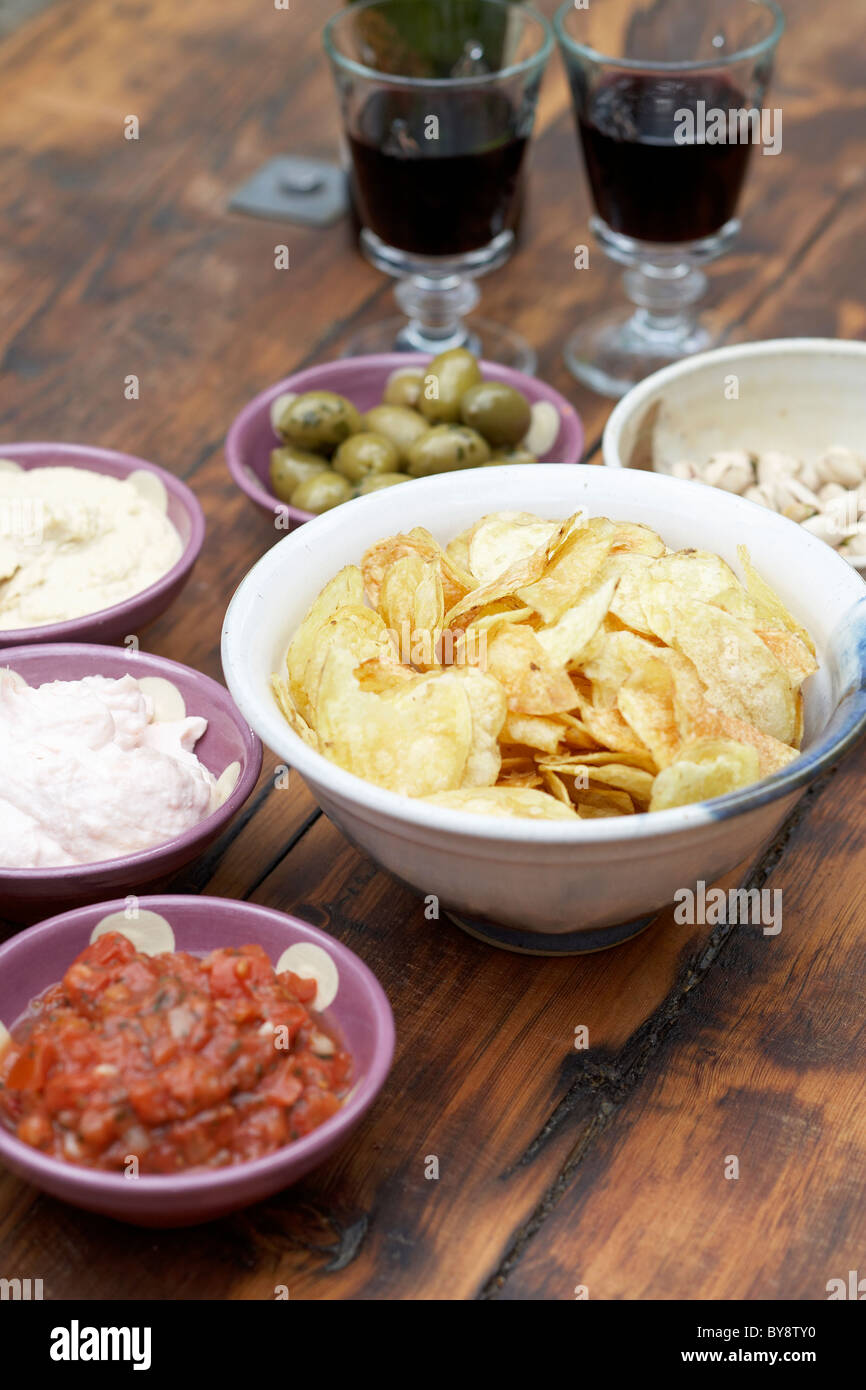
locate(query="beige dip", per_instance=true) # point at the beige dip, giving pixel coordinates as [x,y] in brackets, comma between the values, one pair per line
[73,542]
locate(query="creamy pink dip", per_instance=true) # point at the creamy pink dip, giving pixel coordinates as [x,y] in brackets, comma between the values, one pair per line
[87,774]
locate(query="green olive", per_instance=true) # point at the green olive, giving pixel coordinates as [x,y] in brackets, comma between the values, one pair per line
[516,455]
[497,411]
[318,420]
[446,447]
[403,387]
[446,380]
[290,466]
[375,481]
[321,492]
[399,424]
[365,453]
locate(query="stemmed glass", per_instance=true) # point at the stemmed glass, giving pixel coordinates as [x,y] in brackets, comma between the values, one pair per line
[438,101]
[654,86]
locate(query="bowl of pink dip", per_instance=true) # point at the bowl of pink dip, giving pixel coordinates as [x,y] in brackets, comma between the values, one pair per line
[115,779]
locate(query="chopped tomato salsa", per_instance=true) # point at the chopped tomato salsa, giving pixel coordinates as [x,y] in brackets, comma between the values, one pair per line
[174,1061]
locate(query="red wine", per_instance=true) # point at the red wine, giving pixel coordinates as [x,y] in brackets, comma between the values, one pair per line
[644,184]
[443,196]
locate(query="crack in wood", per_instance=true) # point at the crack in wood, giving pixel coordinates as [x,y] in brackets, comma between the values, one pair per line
[614,1079]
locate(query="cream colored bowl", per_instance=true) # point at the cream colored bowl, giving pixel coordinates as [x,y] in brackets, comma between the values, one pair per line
[554,886]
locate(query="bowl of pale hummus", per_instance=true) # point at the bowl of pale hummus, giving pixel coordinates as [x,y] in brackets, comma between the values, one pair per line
[94,544]
[117,769]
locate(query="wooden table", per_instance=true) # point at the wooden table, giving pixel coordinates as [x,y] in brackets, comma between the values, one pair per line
[558,1168]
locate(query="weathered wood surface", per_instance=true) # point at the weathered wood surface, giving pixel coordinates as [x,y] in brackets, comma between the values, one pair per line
[558,1168]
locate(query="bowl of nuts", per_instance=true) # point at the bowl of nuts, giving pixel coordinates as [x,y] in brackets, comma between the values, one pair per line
[781,423]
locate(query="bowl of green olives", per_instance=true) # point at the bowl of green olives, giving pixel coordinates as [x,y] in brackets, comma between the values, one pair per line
[354,426]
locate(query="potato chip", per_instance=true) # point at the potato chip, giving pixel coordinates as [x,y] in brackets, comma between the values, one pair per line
[741,675]
[504,801]
[353,629]
[502,538]
[379,557]
[565,640]
[533,730]
[708,768]
[573,669]
[412,606]
[634,538]
[768,599]
[415,740]
[347,587]
[533,682]
[487,707]
[620,776]
[646,702]
[696,573]
[296,721]
[522,571]
[603,801]
[573,564]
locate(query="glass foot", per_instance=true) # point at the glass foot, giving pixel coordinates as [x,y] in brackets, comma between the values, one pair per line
[492,341]
[613,351]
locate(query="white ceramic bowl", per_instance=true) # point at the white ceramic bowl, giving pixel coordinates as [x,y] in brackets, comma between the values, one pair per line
[798,395]
[551,886]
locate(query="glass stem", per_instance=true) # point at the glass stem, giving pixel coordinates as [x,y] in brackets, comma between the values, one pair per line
[666,295]
[434,306]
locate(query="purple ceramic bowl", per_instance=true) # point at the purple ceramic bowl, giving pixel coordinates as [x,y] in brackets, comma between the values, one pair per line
[360,1013]
[130,616]
[27,894]
[362,380]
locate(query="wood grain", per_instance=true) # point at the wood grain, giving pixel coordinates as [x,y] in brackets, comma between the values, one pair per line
[556,1166]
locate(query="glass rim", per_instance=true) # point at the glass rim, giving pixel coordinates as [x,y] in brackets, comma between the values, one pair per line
[752,50]
[535,60]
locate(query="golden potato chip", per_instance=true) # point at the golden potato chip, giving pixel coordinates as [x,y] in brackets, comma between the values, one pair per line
[636,539]
[601,759]
[533,683]
[708,768]
[769,600]
[379,557]
[741,675]
[626,568]
[791,651]
[415,740]
[574,669]
[506,584]
[646,702]
[412,606]
[487,708]
[555,785]
[533,730]
[504,801]
[295,720]
[565,640]
[609,729]
[619,776]
[699,574]
[603,801]
[503,538]
[347,587]
[700,720]
[574,562]
[353,629]
[382,675]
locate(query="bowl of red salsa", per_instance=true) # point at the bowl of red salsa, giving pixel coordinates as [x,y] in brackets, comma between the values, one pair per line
[167,1060]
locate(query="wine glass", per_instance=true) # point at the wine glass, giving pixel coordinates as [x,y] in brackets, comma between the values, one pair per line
[654,87]
[438,101]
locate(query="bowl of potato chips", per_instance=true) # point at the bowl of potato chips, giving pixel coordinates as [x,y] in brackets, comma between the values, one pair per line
[550,717]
